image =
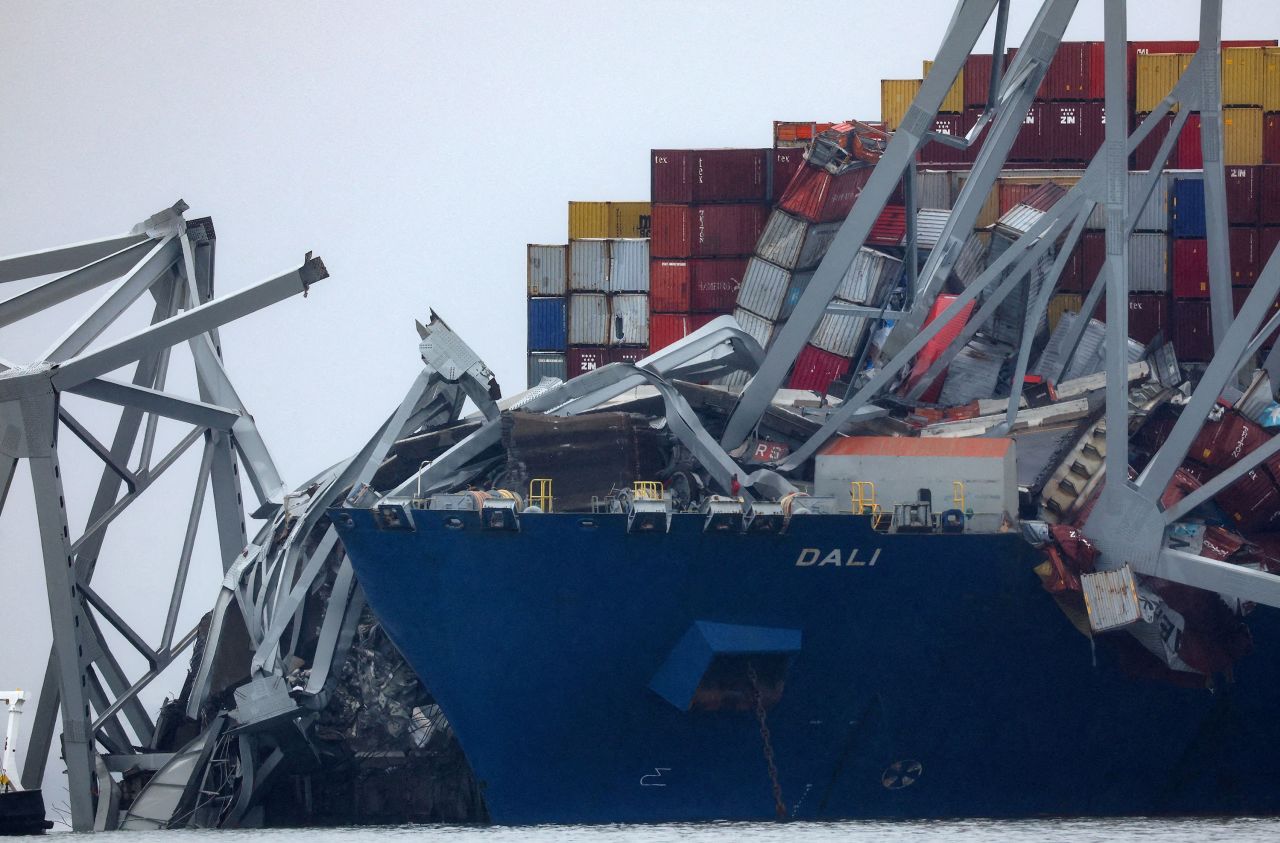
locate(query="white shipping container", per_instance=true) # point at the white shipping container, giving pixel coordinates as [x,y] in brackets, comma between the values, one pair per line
[793,243]
[1155,215]
[973,257]
[841,335]
[929,225]
[629,265]
[589,265]
[629,319]
[868,277]
[935,189]
[545,364]
[589,319]
[548,270]
[1149,262]
[757,326]
[764,289]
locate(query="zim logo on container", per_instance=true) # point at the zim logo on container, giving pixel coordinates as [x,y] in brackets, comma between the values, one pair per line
[812,556]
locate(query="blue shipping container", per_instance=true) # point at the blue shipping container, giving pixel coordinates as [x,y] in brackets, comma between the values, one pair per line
[1188,208]
[547,324]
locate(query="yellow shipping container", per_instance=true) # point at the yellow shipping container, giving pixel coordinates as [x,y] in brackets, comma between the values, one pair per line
[1063,303]
[1242,76]
[629,219]
[588,220]
[1271,78]
[1157,73]
[1242,136]
[896,96]
[954,101]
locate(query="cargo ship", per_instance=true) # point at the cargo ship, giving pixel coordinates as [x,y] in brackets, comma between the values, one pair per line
[631,611]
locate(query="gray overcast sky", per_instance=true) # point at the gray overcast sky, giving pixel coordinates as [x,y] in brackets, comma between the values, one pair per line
[416,147]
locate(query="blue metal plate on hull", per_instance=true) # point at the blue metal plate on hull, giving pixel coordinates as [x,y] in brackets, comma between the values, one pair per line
[934,676]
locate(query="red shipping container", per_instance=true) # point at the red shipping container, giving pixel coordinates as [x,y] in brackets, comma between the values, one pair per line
[977,79]
[1244,255]
[815,369]
[1096,84]
[817,196]
[1271,139]
[890,228]
[935,154]
[1033,141]
[1076,130]
[706,231]
[1072,278]
[698,320]
[627,355]
[1069,77]
[714,285]
[685,176]
[1192,331]
[786,163]
[1145,154]
[1269,194]
[669,286]
[1010,194]
[1242,194]
[581,359]
[666,328]
[1190,269]
[1252,503]
[1187,153]
[933,348]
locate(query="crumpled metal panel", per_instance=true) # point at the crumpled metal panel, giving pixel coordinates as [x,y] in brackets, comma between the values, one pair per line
[585,456]
[868,276]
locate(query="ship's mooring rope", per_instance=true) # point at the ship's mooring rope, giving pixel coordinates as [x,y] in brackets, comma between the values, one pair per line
[780,807]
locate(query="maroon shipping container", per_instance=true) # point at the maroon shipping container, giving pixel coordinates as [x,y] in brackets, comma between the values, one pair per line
[1242,194]
[1244,255]
[815,369]
[585,358]
[627,355]
[817,196]
[669,286]
[1033,141]
[1072,278]
[666,328]
[977,79]
[1269,194]
[1076,130]
[1271,139]
[1042,94]
[686,176]
[786,163]
[1252,503]
[706,231]
[698,320]
[1093,254]
[1145,154]
[890,228]
[1192,331]
[713,287]
[1238,297]
[1069,76]
[935,154]
[1190,269]
[1097,70]
[1268,239]
[1187,153]
[1148,316]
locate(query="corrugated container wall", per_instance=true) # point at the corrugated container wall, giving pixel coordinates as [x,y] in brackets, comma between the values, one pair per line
[1190,269]
[546,324]
[815,369]
[1271,78]
[1076,130]
[953,102]
[714,284]
[686,176]
[629,219]
[1242,136]
[1269,196]
[1243,76]
[757,326]
[590,220]
[1155,214]
[1157,73]
[682,231]
[669,286]
[666,328]
[786,163]
[544,364]
[588,319]
[896,96]
[839,334]
[934,189]
[1244,255]
[1187,208]
[629,319]
[1243,185]
[1149,262]
[548,270]
[629,266]
[584,359]
[977,79]
[1063,303]
[868,278]
[589,265]
[764,289]
[793,243]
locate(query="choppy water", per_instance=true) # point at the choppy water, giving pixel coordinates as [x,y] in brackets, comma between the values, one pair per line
[1033,831]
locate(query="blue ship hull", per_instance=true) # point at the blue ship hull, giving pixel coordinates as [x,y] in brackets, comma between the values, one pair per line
[940,681]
